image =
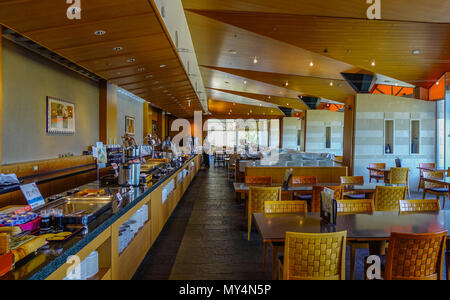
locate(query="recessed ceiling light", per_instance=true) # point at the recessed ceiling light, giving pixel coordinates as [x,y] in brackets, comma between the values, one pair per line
[100,32]
[163,66]
[255,60]
[148,76]
[234,52]
[286,84]
[245,81]
[311,64]
[416,51]
[331,83]
[372,63]
[117,49]
[141,69]
[131,60]
[437,82]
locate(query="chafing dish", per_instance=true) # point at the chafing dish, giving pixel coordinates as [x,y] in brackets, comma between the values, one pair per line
[80,210]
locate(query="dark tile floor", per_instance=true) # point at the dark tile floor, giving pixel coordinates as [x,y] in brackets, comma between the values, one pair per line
[206,238]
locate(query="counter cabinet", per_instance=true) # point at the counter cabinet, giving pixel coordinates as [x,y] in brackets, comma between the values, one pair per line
[123,266]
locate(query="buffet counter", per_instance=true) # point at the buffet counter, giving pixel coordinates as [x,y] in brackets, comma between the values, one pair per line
[115,260]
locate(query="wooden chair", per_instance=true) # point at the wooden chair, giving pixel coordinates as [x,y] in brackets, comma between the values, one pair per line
[386,197]
[424,165]
[398,176]
[376,174]
[302,180]
[281,207]
[435,188]
[232,166]
[415,256]
[319,256]
[419,205]
[256,199]
[258,180]
[352,180]
[346,207]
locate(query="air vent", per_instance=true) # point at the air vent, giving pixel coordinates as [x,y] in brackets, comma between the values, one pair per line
[32,46]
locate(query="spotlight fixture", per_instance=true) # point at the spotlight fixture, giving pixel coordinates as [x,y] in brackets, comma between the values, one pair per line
[100,32]
[286,84]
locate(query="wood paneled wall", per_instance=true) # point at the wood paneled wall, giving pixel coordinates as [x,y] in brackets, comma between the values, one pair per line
[1,93]
[324,174]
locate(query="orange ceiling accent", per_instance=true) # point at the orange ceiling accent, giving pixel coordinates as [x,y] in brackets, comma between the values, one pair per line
[393,90]
[330,106]
[437,91]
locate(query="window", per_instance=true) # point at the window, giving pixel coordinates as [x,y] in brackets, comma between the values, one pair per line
[415,136]
[388,136]
[246,134]
[328,137]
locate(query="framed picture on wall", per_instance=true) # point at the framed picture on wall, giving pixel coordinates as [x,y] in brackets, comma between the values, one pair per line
[129,125]
[60,116]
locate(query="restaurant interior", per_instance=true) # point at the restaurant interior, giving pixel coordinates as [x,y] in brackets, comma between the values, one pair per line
[224,140]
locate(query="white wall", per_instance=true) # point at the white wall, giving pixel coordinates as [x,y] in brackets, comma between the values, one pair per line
[127,106]
[316,123]
[28,79]
[371,112]
[290,133]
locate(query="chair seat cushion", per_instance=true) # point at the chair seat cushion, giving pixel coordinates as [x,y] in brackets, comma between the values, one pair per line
[439,190]
[356,196]
[304,197]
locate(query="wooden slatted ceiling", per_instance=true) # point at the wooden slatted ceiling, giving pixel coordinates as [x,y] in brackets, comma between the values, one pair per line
[220,80]
[236,110]
[357,41]
[406,10]
[131,24]
[279,101]
[317,87]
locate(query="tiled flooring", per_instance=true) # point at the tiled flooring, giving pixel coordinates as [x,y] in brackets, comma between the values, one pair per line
[206,238]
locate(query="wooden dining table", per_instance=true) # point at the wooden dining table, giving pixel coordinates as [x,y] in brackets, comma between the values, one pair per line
[375,228]
[288,192]
[443,181]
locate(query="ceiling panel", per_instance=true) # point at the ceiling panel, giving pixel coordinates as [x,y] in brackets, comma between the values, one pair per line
[294,103]
[406,10]
[337,90]
[134,25]
[233,110]
[358,42]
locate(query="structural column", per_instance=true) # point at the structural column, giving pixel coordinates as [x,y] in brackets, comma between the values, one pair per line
[108,113]
[1,93]
[349,133]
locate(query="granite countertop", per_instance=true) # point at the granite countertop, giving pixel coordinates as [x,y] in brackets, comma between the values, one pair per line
[49,259]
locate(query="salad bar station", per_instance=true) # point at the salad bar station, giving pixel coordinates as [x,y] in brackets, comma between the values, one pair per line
[101,230]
